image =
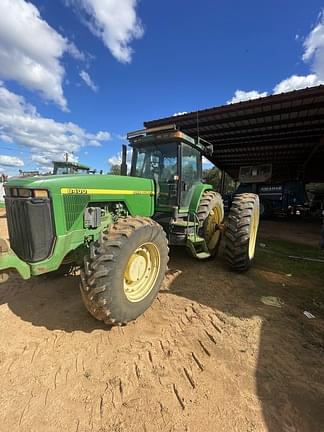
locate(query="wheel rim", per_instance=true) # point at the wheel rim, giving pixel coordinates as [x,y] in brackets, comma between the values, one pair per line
[212,233]
[253,230]
[141,272]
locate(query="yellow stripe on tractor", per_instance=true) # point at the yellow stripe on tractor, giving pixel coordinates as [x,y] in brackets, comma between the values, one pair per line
[74,191]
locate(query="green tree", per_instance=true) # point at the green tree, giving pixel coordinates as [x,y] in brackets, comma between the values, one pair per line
[212,176]
[114,170]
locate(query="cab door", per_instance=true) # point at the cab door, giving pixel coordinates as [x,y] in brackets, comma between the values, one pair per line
[168,178]
[190,174]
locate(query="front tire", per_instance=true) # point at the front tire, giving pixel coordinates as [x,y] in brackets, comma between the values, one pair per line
[210,215]
[124,272]
[241,232]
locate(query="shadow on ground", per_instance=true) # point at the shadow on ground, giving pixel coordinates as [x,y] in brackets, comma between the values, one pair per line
[290,369]
[53,302]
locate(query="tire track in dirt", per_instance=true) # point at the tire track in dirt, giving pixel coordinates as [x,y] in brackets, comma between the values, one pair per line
[164,356]
[164,364]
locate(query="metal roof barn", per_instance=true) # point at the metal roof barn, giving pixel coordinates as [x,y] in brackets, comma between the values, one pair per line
[286,130]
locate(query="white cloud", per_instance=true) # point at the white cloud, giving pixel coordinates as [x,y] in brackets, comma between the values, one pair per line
[180,113]
[103,136]
[241,95]
[115,22]
[87,79]
[314,48]
[94,143]
[313,53]
[117,158]
[31,50]
[296,82]
[75,53]
[10,161]
[46,138]
[42,160]
[121,137]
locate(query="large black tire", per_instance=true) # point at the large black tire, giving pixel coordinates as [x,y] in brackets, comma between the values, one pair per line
[241,232]
[106,284]
[210,214]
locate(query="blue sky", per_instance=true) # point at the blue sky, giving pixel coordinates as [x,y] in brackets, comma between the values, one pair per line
[77,75]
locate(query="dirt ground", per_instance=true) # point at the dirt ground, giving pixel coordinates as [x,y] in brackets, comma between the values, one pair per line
[302,231]
[210,355]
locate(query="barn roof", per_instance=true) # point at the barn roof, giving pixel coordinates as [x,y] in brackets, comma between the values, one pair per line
[286,130]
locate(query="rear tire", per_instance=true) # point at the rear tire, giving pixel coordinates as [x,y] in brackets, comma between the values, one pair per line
[125,269]
[241,232]
[210,215]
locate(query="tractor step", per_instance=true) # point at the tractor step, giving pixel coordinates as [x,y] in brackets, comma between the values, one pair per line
[179,230]
[197,247]
[203,255]
[184,223]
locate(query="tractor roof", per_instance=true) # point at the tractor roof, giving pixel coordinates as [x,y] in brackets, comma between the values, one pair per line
[161,135]
[166,135]
[71,164]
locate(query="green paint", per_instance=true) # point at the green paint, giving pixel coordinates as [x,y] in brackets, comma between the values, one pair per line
[195,200]
[197,246]
[66,244]
[9,260]
[137,205]
[137,195]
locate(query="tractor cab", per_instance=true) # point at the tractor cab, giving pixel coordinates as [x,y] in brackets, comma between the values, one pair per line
[173,160]
[70,168]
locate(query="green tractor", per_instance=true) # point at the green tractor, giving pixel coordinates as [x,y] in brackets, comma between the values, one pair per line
[117,228]
[69,167]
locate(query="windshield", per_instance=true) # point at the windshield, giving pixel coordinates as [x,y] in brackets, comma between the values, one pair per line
[61,170]
[158,163]
[69,170]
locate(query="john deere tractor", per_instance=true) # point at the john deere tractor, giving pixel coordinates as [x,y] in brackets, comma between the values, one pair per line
[67,167]
[117,228]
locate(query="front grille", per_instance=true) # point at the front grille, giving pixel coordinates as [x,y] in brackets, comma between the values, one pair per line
[31,227]
[73,208]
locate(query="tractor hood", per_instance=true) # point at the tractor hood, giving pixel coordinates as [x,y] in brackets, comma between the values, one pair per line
[84,183]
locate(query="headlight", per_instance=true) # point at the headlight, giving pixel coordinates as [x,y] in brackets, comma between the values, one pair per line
[40,193]
[14,192]
[28,193]
[24,193]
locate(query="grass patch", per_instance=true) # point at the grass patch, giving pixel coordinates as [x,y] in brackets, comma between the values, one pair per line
[307,276]
[276,257]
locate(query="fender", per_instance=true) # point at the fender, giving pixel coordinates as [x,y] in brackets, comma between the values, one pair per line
[196,197]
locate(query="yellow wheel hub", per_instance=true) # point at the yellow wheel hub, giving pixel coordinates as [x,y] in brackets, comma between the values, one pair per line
[212,233]
[135,268]
[141,272]
[254,230]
